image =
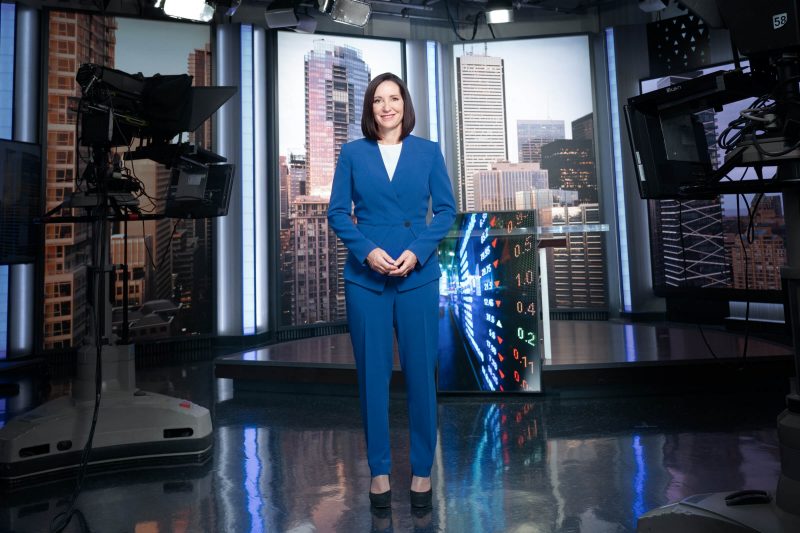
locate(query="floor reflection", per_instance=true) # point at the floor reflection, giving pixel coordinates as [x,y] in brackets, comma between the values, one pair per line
[286,462]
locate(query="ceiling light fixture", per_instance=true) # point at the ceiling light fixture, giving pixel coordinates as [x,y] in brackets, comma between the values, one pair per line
[499,12]
[197,10]
[281,14]
[284,14]
[351,12]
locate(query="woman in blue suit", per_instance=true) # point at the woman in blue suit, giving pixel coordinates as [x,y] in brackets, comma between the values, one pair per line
[391,275]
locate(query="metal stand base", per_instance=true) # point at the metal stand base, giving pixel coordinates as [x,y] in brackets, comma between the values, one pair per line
[709,513]
[134,428]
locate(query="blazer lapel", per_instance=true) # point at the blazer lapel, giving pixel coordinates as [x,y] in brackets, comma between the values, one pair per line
[399,171]
[377,163]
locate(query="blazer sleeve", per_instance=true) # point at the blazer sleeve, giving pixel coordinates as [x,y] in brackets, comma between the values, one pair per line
[443,205]
[340,208]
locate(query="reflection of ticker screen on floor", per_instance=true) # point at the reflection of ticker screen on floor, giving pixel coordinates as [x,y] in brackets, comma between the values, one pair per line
[488,309]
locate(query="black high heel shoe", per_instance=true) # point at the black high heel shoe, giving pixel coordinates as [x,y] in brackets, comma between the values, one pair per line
[382,500]
[422,500]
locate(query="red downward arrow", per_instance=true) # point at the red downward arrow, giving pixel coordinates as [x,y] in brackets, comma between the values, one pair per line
[503,376]
[494,242]
[496,262]
[497,283]
[491,222]
[500,356]
[497,303]
[500,339]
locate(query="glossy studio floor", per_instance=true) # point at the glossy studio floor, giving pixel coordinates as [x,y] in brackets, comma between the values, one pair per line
[587,456]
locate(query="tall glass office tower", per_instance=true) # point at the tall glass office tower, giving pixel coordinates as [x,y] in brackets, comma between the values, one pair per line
[480,121]
[336,79]
[312,286]
[75,38]
[532,134]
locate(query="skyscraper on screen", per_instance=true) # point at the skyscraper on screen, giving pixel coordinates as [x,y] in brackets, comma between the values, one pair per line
[312,289]
[532,134]
[336,78]
[75,38]
[480,121]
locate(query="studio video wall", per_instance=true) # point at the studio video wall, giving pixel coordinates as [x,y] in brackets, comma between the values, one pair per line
[321,86]
[489,334]
[169,291]
[711,243]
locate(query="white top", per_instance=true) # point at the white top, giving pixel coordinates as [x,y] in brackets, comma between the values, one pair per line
[391,155]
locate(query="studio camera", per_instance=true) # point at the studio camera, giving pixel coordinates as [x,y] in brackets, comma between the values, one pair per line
[119,109]
[672,159]
[670,148]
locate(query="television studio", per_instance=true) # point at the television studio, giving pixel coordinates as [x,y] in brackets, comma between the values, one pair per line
[187,239]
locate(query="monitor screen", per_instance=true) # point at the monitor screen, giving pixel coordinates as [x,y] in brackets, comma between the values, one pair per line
[489,338]
[20,201]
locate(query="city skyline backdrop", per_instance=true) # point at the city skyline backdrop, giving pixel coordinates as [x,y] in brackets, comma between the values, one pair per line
[381,55]
[548,78]
[328,77]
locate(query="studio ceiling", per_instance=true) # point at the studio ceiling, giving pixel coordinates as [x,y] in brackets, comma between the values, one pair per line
[430,11]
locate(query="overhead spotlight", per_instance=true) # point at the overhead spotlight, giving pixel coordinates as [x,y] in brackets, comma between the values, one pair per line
[305,23]
[284,14]
[281,14]
[351,12]
[325,6]
[499,12]
[197,10]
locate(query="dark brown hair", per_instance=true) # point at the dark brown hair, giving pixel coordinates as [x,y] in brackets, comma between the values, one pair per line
[368,126]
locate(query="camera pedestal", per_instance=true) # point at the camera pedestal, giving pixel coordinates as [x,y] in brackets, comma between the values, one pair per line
[711,513]
[134,428]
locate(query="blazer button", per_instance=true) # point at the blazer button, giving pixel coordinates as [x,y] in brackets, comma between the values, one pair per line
[407,224]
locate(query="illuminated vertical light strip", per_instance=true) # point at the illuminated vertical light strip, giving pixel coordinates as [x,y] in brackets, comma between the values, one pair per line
[622,224]
[3,311]
[252,480]
[639,479]
[221,140]
[260,176]
[228,229]
[26,126]
[630,343]
[433,92]
[544,291]
[248,188]
[7,22]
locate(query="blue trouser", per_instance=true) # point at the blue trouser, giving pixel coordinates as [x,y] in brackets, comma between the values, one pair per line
[372,317]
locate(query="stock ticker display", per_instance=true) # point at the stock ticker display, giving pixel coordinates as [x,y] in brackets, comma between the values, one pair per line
[489,323]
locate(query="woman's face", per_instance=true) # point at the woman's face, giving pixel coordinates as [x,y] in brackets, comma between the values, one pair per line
[387,107]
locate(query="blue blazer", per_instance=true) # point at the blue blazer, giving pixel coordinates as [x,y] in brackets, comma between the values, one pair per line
[391,214]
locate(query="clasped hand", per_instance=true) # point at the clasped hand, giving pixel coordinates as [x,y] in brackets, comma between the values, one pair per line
[382,263]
